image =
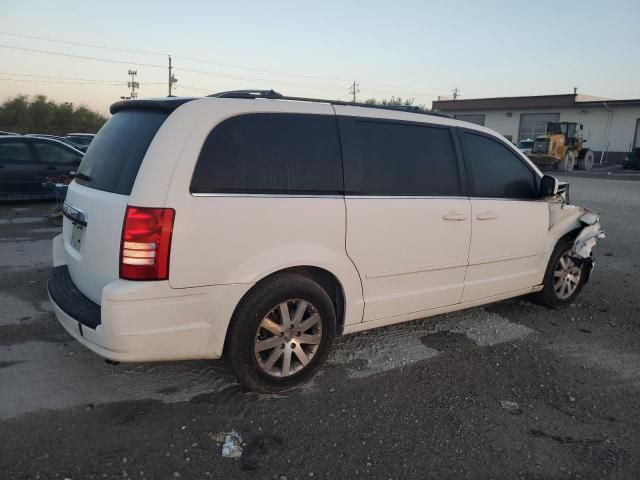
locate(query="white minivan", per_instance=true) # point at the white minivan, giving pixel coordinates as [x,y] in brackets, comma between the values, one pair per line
[260,227]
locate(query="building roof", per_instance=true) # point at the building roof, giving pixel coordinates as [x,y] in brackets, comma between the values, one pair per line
[536,101]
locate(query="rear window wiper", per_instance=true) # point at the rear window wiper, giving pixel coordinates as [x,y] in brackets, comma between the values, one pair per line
[81,176]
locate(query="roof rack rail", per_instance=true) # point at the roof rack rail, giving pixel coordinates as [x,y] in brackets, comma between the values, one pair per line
[257,93]
[272,94]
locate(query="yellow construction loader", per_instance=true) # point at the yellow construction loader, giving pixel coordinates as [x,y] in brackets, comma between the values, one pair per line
[562,147]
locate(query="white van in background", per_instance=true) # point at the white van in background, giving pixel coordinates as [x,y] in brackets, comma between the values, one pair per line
[261,227]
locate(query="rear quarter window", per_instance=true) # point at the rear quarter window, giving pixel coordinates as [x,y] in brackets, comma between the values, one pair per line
[113,159]
[271,153]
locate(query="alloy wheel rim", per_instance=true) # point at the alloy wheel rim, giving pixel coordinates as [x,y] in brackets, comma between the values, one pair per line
[566,276]
[288,338]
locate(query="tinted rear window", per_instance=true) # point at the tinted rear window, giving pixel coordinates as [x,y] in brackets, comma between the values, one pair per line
[113,159]
[385,158]
[270,153]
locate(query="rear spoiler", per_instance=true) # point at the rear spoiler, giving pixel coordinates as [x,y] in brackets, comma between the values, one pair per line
[166,105]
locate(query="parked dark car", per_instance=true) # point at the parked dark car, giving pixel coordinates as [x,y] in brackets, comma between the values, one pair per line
[81,139]
[71,143]
[27,162]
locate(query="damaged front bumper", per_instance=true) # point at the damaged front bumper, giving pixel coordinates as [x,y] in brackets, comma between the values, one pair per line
[582,251]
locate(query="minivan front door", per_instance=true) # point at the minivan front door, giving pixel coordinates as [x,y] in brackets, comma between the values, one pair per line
[408,223]
[509,222]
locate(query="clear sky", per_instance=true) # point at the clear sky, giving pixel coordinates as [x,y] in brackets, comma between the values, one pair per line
[412,49]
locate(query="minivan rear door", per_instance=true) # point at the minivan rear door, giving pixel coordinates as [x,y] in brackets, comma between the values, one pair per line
[97,200]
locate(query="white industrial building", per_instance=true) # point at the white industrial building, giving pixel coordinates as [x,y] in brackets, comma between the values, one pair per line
[611,127]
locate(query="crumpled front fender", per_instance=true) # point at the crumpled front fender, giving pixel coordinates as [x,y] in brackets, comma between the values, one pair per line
[586,240]
[582,250]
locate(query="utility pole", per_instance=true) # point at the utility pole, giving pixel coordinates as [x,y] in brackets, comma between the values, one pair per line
[172,79]
[133,84]
[354,89]
[456,93]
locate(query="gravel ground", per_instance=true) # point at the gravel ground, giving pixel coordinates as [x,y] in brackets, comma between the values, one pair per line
[510,390]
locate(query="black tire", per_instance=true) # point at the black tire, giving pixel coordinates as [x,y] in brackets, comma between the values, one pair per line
[247,319]
[548,295]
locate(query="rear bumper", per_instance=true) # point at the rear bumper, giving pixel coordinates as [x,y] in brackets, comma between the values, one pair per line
[146,321]
[144,329]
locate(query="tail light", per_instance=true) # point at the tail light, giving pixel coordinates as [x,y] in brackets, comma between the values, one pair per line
[146,243]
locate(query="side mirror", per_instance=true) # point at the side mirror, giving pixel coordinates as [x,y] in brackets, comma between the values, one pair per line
[548,186]
[581,127]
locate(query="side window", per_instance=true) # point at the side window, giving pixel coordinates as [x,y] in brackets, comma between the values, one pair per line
[495,170]
[51,153]
[270,153]
[389,158]
[14,152]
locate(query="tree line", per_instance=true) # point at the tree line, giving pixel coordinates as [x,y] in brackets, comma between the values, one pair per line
[38,114]
[395,101]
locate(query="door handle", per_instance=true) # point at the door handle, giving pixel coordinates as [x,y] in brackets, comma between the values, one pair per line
[456,216]
[486,216]
[51,167]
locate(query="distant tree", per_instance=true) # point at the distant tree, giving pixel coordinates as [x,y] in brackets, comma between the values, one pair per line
[394,101]
[23,114]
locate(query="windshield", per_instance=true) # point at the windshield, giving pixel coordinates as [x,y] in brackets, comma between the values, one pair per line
[525,144]
[114,156]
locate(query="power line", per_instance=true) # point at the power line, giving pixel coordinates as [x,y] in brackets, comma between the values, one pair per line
[210,62]
[194,89]
[202,72]
[79,44]
[62,83]
[84,57]
[75,79]
[61,78]
[30,78]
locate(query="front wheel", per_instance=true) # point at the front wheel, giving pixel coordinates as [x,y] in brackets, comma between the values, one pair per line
[564,277]
[281,333]
[568,161]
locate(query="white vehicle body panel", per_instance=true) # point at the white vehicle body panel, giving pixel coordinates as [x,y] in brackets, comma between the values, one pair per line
[395,259]
[411,252]
[507,246]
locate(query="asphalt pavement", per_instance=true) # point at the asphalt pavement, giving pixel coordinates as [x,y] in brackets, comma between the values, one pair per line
[509,390]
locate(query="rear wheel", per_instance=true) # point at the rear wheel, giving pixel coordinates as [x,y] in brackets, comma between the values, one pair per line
[586,162]
[563,278]
[281,333]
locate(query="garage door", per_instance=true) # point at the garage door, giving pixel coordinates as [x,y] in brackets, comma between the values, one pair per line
[534,124]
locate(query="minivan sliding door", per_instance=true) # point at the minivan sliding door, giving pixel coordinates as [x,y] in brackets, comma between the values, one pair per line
[408,221]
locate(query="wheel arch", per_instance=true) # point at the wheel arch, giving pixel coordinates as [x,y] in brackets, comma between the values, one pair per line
[323,277]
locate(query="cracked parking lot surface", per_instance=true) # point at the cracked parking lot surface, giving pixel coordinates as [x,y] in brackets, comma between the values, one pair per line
[509,390]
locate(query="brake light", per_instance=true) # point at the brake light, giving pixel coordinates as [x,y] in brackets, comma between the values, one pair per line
[146,243]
